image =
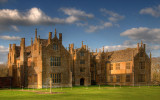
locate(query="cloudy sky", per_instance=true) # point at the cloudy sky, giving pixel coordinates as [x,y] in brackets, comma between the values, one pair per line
[113,24]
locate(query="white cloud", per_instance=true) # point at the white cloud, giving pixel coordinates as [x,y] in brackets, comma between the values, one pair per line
[15,28]
[76,13]
[114,17]
[3,1]
[81,24]
[10,37]
[3,54]
[3,49]
[10,19]
[94,28]
[143,33]
[112,21]
[126,44]
[154,11]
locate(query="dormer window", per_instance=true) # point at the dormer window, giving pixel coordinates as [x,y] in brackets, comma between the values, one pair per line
[55,46]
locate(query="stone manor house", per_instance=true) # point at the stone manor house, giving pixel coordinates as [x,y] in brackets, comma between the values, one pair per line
[47,60]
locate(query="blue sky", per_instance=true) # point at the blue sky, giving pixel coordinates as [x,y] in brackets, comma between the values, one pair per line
[114,24]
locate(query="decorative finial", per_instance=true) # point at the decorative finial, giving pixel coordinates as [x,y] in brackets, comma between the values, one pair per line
[55,31]
[36,33]
[103,48]
[82,43]
[141,43]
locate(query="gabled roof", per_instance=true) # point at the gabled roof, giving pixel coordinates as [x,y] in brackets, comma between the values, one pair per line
[44,42]
[122,55]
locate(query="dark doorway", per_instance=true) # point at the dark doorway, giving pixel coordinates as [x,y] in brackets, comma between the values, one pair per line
[82,81]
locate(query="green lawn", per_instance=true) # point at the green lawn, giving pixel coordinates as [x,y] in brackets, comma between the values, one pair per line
[84,93]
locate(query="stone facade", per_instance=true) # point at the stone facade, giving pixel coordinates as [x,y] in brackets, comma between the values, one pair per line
[46,61]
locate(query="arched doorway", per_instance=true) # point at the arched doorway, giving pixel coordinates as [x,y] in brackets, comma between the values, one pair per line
[82,81]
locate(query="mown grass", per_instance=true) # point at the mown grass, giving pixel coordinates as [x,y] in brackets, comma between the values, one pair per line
[84,93]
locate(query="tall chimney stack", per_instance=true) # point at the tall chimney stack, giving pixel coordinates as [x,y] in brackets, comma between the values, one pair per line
[144,47]
[49,37]
[60,37]
[9,47]
[138,47]
[36,33]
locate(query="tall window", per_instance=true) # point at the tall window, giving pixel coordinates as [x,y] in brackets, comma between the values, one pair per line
[118,66]
[141,78]
[111,66]
[128,78]
[128,65]
[55,61]
[141,65]
[56,78]
[117,78]
[111,78]
[82,61]
[82,53]
[55,46]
